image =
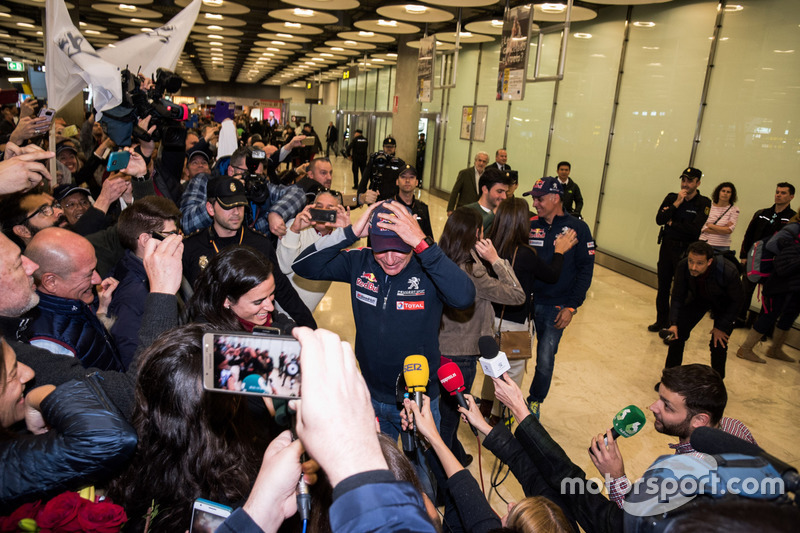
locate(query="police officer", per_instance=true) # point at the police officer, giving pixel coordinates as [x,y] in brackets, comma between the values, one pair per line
[681,217]
[381,174]
[357,152]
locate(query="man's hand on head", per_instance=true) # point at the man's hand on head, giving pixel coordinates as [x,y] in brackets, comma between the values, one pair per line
[403,223]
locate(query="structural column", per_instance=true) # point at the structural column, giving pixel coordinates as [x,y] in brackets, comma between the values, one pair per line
[405,120]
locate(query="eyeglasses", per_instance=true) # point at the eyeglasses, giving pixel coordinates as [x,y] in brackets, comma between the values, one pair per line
[332,192]
[46,210]
[242,171]
[76,203]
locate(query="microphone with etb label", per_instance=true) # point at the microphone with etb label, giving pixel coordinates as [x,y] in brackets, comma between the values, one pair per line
[493,362]
[453,382]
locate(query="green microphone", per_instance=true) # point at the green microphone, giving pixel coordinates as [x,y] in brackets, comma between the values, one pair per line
[628,422]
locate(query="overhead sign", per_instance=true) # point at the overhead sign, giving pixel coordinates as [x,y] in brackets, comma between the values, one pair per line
[351,72]
[16,66]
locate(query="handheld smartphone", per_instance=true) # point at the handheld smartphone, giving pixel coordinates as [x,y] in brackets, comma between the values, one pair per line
[255,364]
[308,141]
[118,161]
[322,215]
[48,113]
[70,131]
[207,516]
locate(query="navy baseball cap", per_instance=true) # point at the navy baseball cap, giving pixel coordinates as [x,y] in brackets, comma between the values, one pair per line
[384,240]
[546,185]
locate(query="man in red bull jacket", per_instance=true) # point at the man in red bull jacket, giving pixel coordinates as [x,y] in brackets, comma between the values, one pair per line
[398,289]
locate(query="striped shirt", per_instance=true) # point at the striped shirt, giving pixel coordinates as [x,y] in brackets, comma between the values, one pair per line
[619,487]
[720,216]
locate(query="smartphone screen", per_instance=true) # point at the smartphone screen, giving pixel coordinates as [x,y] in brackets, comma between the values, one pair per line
[241,363]
[207,516]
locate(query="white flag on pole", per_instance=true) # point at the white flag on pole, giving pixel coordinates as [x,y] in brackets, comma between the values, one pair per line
[159,48]
[73,63]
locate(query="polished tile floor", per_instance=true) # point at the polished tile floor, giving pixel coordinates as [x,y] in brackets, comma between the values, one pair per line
[607,360]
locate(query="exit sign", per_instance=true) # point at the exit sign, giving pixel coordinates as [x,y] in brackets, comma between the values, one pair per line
[16,66]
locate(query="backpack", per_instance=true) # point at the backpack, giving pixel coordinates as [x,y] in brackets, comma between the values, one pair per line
[759,262]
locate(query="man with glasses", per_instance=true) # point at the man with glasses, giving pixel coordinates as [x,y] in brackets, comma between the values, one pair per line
[74,201]
[226,209]
[267,215]
[148,218]
[25,214]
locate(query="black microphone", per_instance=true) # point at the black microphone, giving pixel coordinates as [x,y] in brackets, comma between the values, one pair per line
[493,362]
[406,437]
[715,442]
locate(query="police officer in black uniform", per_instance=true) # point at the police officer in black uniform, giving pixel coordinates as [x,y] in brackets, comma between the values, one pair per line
[357,152]
[681,217]
[227,200]
[381,174]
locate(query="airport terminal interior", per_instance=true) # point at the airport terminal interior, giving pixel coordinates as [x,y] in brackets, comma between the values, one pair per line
[607,360]
[630,93]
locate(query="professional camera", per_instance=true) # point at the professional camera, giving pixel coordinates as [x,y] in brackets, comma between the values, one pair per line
[379,162]
[120,123]
[256,187]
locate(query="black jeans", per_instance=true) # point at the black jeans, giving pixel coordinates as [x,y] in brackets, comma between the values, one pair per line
[668,256]
[448,406]
[690,315]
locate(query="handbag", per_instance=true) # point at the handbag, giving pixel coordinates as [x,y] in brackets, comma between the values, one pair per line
[515,344]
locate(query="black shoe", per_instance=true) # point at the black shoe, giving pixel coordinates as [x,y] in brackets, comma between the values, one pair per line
[466,461]
[656,327]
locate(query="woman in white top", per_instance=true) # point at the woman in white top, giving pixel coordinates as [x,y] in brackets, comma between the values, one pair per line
[722,218]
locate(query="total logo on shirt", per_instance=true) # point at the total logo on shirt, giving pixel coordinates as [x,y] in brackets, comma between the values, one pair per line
[411,306]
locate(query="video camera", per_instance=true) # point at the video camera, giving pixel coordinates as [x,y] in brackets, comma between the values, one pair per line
[379,163]
[256,187]
[120,123]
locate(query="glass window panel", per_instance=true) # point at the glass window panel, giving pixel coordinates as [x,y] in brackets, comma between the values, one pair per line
[585,101]
[665,67]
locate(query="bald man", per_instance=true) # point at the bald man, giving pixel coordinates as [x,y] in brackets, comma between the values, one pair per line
[65,322]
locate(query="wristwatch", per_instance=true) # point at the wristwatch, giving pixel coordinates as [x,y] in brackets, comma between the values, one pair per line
[424,244]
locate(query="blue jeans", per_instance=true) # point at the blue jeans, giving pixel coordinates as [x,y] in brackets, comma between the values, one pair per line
[389,418]
[547,339]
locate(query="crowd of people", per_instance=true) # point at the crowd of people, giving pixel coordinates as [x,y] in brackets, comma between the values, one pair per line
[110,279]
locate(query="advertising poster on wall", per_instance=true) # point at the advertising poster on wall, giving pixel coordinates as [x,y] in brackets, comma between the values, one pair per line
[425,63]
[512,70]
[477,127]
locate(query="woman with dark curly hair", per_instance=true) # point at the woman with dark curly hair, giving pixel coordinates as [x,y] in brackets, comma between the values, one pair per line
[235,291]
[192,443]
[722,218]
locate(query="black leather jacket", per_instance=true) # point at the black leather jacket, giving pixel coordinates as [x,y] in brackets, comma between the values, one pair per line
[89,441]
